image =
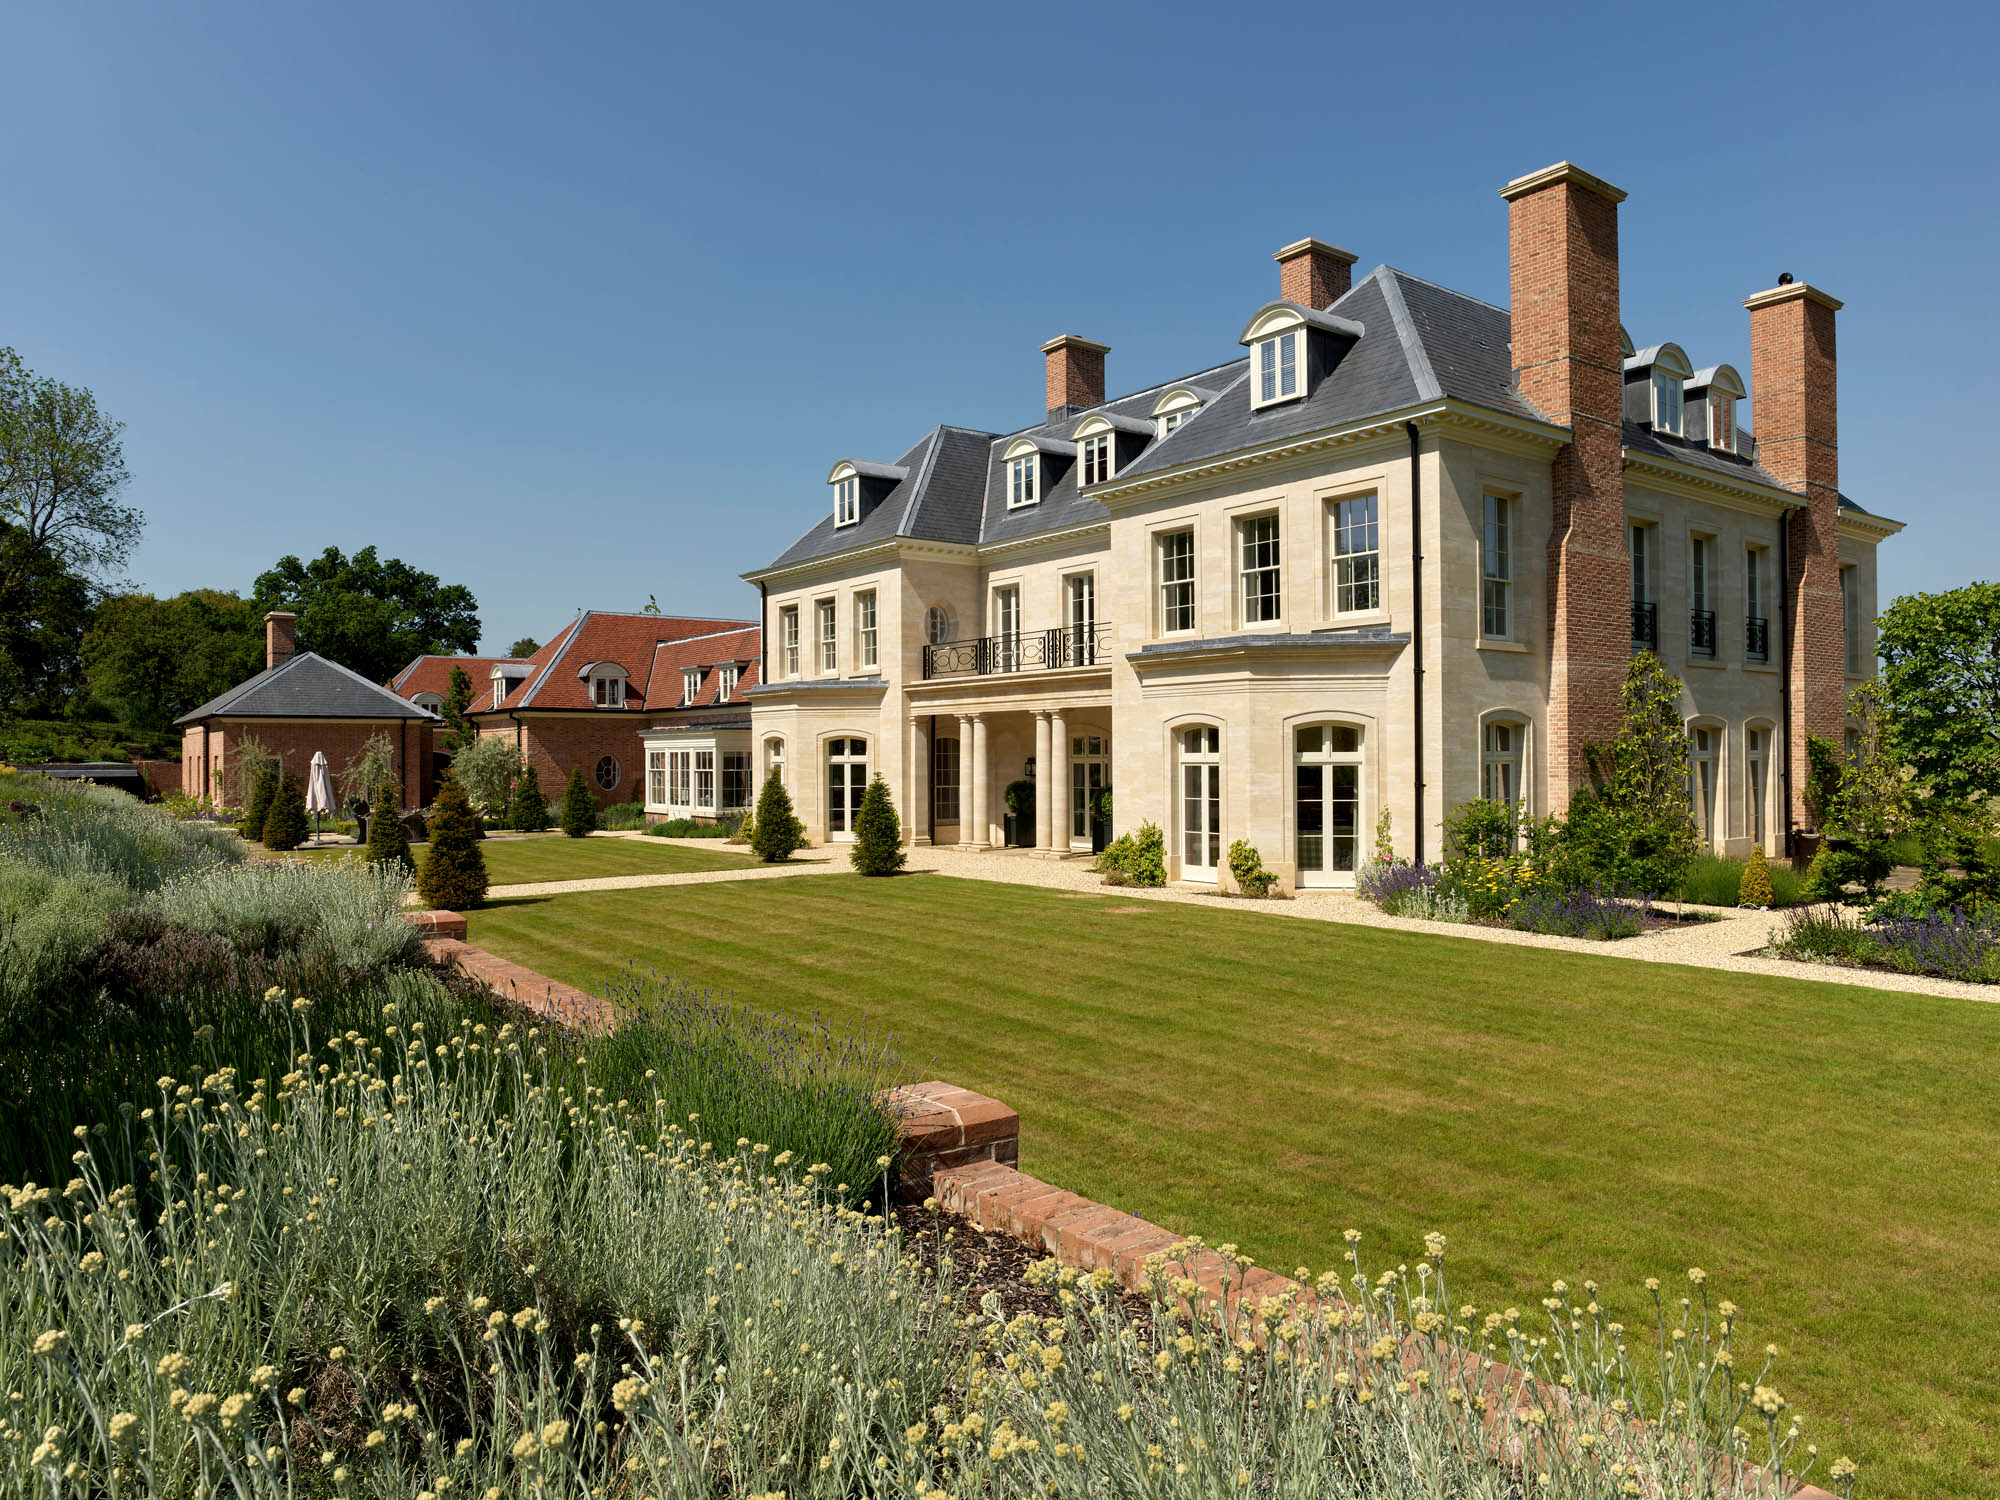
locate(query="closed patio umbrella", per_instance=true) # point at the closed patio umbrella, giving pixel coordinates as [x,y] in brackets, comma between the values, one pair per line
[319,790]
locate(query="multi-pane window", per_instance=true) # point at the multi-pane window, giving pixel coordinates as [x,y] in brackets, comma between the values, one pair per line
[726,679]
[1095,455]
[680,765]
[944,779]
[1357,556]
[1080,609]
[609,772]
[1006,628]
[704,781]
[1257,544]
[1326,807]
[847,502]
[829,637]
[1174,419]
[864,629]
[1201,802]
[1701,614]
[735,780]
[690,684]
[939,626]
[656,777]
[1278,367]
[1176,581]
[774,760]
[1645,617]
[1021,481]
[788,638]
[1850,619]
[1757,759]
[1756,624]
[1704,763]
[1496,570]
[1666,402]
[1500,763]
[607,692]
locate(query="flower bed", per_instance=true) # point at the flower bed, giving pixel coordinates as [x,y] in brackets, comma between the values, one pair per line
[1950,944]
[1506,893]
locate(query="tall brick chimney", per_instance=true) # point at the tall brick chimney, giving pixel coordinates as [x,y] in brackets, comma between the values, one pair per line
[1795,405]
[1313,273]
[280,637]
[1562,250]
[1075,373]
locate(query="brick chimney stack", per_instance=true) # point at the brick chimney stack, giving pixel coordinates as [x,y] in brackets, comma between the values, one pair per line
[1794,403]
[1314,274]
[281,628]
[1562,247]
[1075,375]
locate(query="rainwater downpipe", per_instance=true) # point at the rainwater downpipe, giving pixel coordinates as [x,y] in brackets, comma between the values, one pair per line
[1784,592]
[1417,628]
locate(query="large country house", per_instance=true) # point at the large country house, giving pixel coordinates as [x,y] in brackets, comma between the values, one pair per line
[1395,555]
[650,706]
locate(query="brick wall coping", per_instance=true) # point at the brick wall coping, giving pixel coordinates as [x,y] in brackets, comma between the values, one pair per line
[565,1004]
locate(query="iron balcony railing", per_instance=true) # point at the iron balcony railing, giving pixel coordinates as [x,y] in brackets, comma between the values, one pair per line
[1646,626]
[1701,632]
[1757,638]
[1064,646]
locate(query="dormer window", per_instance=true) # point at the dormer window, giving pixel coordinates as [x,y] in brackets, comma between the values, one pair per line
[1710,398]
[1277,365]
[431,701]
[1666,403]
[847,501]
[1292,346]
[607,691]
[725,682]
[1175,406]
[859,487]
[1655,391]
[1094,453]
[690,685]
[1023,486]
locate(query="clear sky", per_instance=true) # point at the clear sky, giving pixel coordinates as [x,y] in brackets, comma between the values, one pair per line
[576,304]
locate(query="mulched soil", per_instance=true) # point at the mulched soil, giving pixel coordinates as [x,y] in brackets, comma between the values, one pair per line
[988,1262]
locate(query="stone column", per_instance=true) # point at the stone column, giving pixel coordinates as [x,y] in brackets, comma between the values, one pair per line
[1044,796]
[1058,782]
[917,810]
[975,810]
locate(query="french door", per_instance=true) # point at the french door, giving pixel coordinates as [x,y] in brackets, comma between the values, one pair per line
[1326,808]
[1201,803]
[1089,774]
[1081,608]
[846,780]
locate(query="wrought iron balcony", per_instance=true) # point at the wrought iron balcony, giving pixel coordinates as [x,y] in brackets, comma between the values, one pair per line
[1757,638]
[1701,632]
[1044,650]
[1646,626]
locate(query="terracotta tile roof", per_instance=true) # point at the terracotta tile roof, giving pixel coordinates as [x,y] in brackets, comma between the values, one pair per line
[671,660]
[432,674]
[631,641]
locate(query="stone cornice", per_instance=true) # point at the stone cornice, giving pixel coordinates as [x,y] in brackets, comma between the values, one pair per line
[817,689]
[1691,483]
[1863,527]
[1062,540]
[1339,645]
[861,559]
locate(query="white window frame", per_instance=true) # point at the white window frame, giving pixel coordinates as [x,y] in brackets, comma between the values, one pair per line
[656,778]
[1024,480]
[1669,403]
[1757,781]
[431,701]
[1705,796]
[1006,632]
[1355,552]
[846,501]
[1753,602]
[1277,367]
[690,685]
[1176,594]
[1095,456]
[725,687]
[1170,420]
[1496,567]
[1326,755]
[854,750]
[1080,618]
[741,770]
[774,759]
[1205,758]
[826,648]
[1701,591]
[607,690]
[1850,620]
[788,639]
[704,782]
[1502,768]
[680,781]
[1260,575]
[866,634]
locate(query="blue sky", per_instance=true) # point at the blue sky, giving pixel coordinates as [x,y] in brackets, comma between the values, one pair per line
[578,304]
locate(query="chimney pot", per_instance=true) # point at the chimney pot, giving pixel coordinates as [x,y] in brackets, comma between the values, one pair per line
[1074,374]
[1314,274]
[280,637]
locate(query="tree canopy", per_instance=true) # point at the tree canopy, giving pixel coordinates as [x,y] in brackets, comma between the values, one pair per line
[157,658]
[524,648]
[368,613]
[1941,678]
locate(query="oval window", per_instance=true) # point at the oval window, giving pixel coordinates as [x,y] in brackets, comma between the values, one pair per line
[608,772]
[939,627]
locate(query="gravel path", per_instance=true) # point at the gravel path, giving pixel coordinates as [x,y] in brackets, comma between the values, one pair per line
[1728,943]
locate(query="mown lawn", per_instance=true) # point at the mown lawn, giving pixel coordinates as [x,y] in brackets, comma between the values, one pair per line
[524,861]
[1827,1153]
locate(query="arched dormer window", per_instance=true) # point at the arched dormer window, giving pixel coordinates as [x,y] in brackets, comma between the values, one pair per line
[1290,347]
[431,701]
[605,681]
[1711,396]
[1031,466]
[859,487]
[1105,443]
[1654,380]
[1175,406]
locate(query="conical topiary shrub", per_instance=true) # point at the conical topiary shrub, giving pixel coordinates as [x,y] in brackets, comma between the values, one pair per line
[878,833]
[779,834]
[388,843]
[528,809]
[1755,887]
[285,825]
[452,876]
[579,808]
[261,797]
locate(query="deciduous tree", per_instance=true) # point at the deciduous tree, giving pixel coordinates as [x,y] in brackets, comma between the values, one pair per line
[1941,680]
[368,613]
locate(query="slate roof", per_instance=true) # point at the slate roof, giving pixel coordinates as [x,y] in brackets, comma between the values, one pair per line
[1641,438]
[307,686]
[631,641]
[432,674]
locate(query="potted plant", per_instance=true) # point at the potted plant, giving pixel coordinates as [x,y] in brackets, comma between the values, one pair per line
[1020,819]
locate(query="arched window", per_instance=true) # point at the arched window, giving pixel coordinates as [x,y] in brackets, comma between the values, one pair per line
[1326,802]
[1500,746]
[1757,780]
[1201,801]
[846,780]
[1704,771]
[774,760]
[432,701]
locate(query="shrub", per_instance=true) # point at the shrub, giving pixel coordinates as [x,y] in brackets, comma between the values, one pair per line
[579,808]
[744,829]
[1953,944]
[1020,799]
[1138,858]
[78,829]
[688,828]
[453,873]
[344,916]
[1754,889]
[1580,913]
[388,842]
[50,925]
[1824,933]
[1713,880]
[878,833]
[285,826]
[243,774]
[1480,829]
[527,808]
[1246,866]
[263,792]
[486,768]
[623,815]
[778,834]
[371,767]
